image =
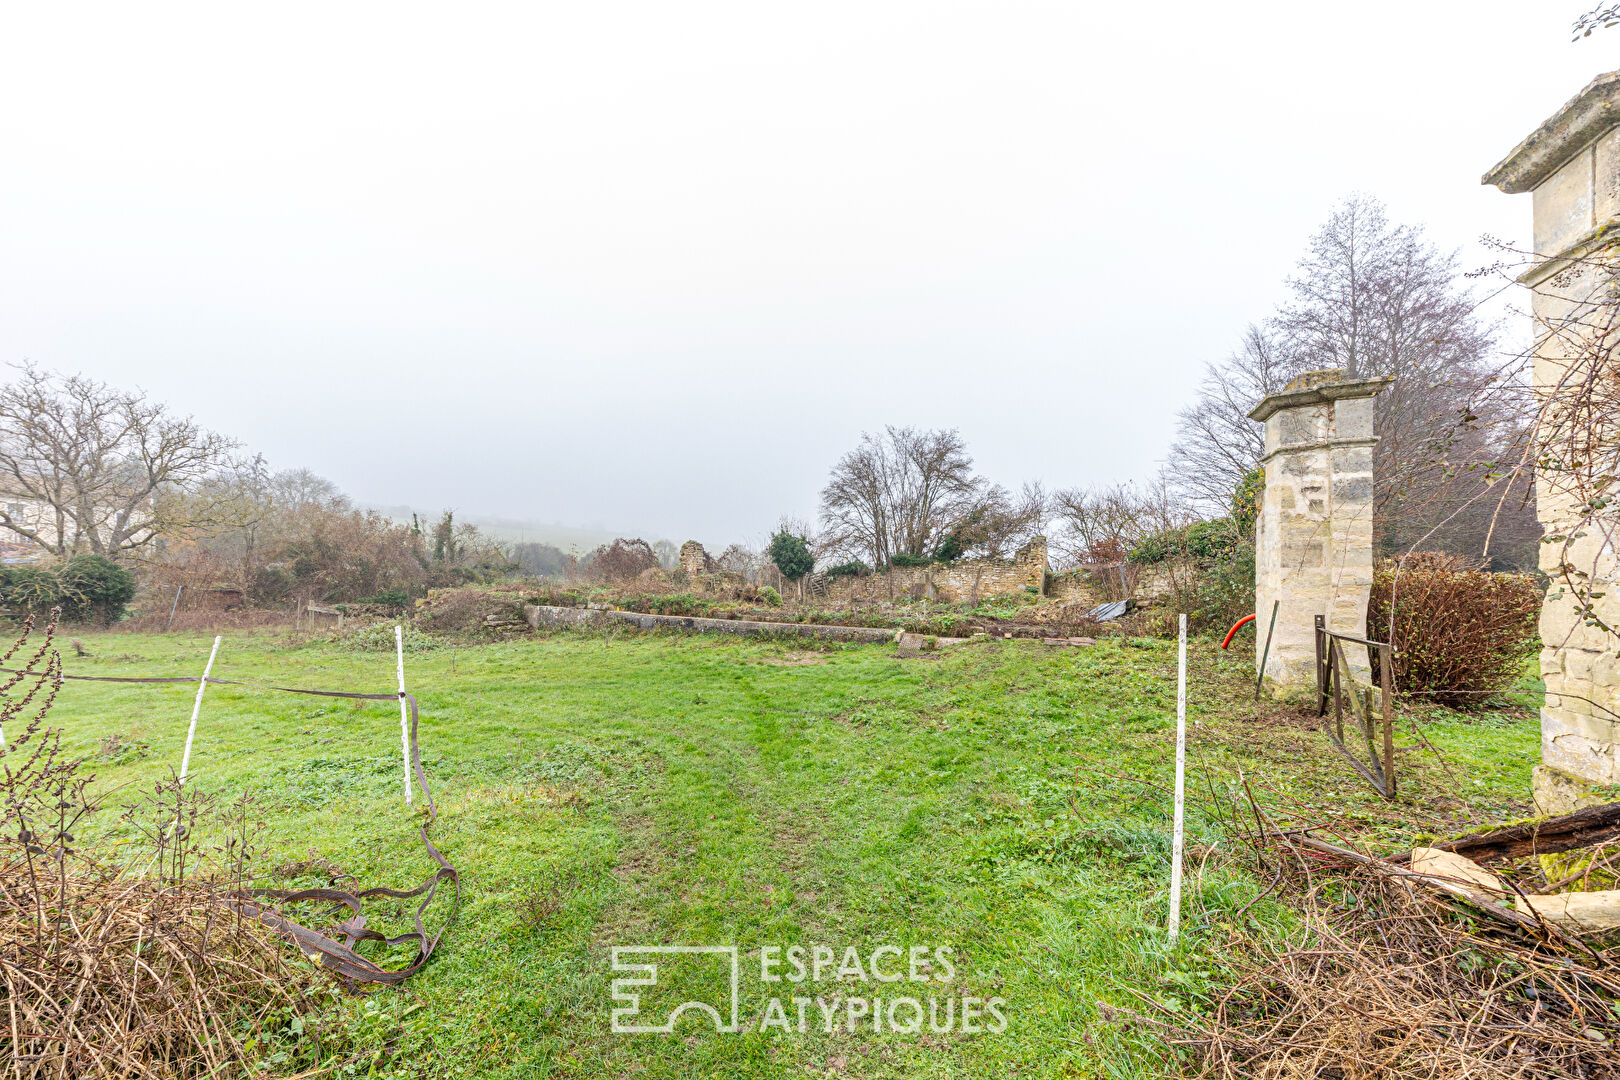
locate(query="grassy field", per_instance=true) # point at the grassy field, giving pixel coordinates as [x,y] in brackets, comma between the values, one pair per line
[996,800]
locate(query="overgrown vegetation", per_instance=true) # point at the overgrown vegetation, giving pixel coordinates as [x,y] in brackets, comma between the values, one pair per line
[1461,634]
[1214,539]
[473,608]
[1379,977]
[621,561]
[379,637]
[602,791]
[790,553]
[86,588]
[117,956]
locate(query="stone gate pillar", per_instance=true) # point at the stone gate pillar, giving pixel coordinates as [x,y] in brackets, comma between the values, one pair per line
[1313,546]
[1571,166]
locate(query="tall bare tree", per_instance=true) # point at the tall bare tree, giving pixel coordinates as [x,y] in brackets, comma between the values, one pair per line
[1105,524]
[1217,444]
[1374,299]
[896,491]
[104,464]
[904,491]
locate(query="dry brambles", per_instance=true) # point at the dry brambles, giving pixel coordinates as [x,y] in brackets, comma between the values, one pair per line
[122,967]
[1384,975]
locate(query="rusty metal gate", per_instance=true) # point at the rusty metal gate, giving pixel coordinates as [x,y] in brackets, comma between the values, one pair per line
[1336,688]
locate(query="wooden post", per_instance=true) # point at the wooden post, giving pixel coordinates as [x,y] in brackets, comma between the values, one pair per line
[1386,681]
[1338,692]
[174,607]
[1321,689]
[1265,654]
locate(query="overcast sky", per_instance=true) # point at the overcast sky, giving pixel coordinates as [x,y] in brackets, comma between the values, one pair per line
[657,265]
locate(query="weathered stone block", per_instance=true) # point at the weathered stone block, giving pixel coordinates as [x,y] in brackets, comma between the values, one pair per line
[1563,206]
[1559,792]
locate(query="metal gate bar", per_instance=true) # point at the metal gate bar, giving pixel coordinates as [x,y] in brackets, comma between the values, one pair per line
[1333,683]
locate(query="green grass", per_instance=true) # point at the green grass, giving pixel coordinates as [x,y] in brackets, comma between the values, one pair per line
[650,789]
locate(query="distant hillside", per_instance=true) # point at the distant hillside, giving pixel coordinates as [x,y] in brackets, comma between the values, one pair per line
[574,539]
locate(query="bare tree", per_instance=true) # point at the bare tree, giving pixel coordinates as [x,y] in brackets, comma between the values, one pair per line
[855,503]
[105,465]
[1105,524]
[293,489]
[1373,299]
[1217,444]
[998,524]
[739,559]
[899,493]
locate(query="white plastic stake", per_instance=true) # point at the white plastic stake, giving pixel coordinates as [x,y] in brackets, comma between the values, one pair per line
[1181,784]
[404,711]
[196,707]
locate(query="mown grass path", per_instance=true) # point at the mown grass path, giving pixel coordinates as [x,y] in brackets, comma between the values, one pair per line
[648,789]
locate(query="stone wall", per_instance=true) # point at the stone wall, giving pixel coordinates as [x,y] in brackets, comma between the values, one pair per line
[1078,587]
[1571,164]
[1151,582]
[1099,583]
[967,580]
[542,616]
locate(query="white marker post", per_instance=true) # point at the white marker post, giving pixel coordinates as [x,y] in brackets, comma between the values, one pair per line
[196,707]
[1181,784]
[404,711]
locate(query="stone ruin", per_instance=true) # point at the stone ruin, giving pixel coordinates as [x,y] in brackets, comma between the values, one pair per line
[964,580]
[1313,547]
[1571,167]
[693,561]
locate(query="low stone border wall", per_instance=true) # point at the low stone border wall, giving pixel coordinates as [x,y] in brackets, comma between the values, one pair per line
[542,615]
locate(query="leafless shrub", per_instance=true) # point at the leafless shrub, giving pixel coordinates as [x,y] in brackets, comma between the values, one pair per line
[622,561]
[1460,632]
[1599,18]
[1379,979]
[1576,415]
[125,968]
[741,560]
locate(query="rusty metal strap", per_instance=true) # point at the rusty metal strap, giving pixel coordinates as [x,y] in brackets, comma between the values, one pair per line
[340,957]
